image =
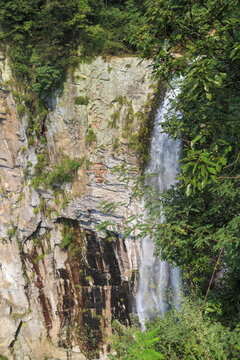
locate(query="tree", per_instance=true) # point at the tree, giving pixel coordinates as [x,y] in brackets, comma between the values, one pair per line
[199,40]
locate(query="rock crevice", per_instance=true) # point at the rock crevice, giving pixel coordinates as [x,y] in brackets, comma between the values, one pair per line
[62,280]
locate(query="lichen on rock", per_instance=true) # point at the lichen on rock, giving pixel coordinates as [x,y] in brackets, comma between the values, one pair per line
[57,272]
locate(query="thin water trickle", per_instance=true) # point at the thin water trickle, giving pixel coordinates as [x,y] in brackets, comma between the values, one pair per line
[157,277]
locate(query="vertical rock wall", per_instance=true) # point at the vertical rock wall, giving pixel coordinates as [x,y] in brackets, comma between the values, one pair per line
[62,281]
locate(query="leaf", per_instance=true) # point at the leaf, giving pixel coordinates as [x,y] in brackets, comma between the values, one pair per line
[150,342]
[139,337]
[204,182]
[223,160]
[214,178]
[208,96]
[188,190]
[194,168]
[199,186]
[198,137]
[155,355]
[203,170]
[150,354]
[211,170]
[234,51]
[218,80]
[151,334]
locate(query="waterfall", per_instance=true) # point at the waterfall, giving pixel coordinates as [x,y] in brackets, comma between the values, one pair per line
[157,277]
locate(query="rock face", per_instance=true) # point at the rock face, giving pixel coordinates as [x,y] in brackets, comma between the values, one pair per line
[62,280]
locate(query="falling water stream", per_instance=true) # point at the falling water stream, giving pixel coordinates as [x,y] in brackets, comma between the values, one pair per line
[158,278]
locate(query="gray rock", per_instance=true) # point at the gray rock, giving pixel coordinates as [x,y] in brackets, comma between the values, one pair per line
[48,293]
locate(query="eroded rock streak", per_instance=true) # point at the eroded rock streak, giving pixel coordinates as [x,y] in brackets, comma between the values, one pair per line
[57,300]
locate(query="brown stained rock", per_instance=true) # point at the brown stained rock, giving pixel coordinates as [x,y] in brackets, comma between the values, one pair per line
[67,298]
[99,172]
[9,131]
[42,298]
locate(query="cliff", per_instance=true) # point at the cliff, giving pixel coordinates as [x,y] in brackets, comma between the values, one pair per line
[62,280]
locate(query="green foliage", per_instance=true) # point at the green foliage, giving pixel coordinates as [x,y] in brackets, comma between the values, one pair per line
[64,172]
[48,77]
[180,335]
[199,41]
[115,117]
[43,38]
[208,105]
[81,100]
[20,110]
[68,236]
[38,33]
[198,228]
[12,231]
[91,136]
[121,100]
[60,174]
[38,258]
[141,348]
[115,144]
[44,35]
[114,26]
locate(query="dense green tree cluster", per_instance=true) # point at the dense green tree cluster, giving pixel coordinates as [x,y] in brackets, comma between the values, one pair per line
[199,40]
[184,335]
[43,36]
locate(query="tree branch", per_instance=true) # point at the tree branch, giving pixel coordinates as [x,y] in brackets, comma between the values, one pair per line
[210,283]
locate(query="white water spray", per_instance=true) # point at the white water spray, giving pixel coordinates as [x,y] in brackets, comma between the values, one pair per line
[157,277]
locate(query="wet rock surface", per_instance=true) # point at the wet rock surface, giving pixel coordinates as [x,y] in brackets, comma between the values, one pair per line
[61,280]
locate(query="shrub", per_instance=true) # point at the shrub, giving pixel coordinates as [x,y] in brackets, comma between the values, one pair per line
[12,231]
[187,334]
[91,136]
[64,172]
[68,236]
[20,110]
[81,100]
[3,357]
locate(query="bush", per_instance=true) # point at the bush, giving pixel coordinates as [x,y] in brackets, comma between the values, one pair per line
[43,38]
[91,136]
[3,357]
[64,172]
[20,110]
[180,335]
[47,77]
[68,236]
[81,100]
[44,35]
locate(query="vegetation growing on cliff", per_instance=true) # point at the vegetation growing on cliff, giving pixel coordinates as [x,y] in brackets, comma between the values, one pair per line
[186,335]
[43,37]
[198,41]
[195,39]
[64,172]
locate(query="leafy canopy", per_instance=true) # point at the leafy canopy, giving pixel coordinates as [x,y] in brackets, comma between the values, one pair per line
[43,36]
[199,41]
[185,335]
